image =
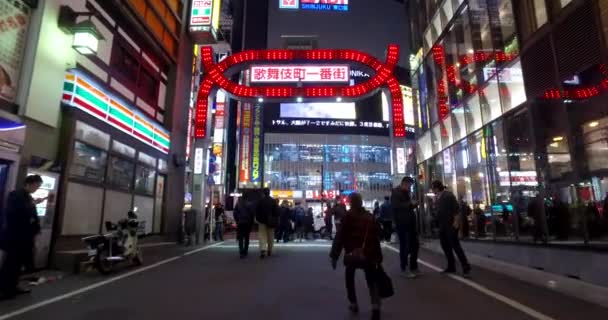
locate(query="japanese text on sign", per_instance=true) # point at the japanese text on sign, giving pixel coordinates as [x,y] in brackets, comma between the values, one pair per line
[328,123]
[325,73]
[201,12]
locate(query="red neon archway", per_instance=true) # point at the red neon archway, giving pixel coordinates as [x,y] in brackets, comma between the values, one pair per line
[215,76]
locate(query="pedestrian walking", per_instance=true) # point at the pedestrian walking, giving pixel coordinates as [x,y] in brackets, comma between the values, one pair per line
[244,215]
[284,229]
[386,219]
[268,219]
[329,223]
[220,219]
[309,223]
[299,215]
[449,223]
[20,227]
[359,238]
[339,212]
[405,221]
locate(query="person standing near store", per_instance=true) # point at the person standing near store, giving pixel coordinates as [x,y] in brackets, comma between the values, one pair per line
[20,226]
[244,215]
[449,223]
[387,219]
[405,220]
[268,219]
[359,236]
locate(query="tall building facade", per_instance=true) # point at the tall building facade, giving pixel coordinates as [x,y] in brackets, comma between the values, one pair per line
[92,100]
[511,111]
[305,155]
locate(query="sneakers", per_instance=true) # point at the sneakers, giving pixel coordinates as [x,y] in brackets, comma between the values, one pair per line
[409,274]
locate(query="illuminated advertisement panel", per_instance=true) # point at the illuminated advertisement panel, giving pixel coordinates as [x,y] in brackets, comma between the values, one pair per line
[202,13]
[246,137]
[256,146]
[320,110]
[318,5]
[303,73]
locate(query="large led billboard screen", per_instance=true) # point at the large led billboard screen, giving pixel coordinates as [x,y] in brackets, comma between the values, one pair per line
[344,111]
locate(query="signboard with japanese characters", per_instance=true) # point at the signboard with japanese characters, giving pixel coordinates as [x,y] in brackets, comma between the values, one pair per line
[257,145]
[202,13]
[317,5]
[300,73]
[14,21]
[245,143]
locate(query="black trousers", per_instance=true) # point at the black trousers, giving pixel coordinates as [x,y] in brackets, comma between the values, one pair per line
[370,278]
[450,244]
[387,230]
[243,233]
[15,258]
[408,246]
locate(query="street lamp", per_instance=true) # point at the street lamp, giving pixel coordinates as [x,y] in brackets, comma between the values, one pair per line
[86,35]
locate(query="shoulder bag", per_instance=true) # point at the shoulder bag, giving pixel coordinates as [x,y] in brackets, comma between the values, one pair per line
[357,256]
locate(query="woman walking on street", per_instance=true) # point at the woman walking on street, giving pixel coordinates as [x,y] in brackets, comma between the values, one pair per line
[359,237]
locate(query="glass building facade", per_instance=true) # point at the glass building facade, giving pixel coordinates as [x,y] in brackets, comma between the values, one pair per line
[309,163]
[511,101]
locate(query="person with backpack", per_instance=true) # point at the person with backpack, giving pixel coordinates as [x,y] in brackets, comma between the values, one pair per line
[359,238]
[267,216]
[244,215]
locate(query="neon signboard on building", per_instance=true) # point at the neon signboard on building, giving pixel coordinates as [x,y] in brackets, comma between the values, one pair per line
[317,5]
[300,73]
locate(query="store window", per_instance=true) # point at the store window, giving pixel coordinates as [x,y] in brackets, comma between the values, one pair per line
[483,51]
[123,149]
[478,169]
[92,136]
[436,138]
[424,147]
[144,180]
[459,128]
[461,165]
[120,173]
[540,12]
[489,99]
[449,173]
[511,86]
[595,140]
[472,111]
[88,162]
[504,30]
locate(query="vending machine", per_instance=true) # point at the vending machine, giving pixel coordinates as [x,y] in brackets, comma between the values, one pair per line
[46,214]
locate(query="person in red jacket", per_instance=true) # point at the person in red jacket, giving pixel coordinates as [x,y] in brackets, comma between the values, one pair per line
[359,233]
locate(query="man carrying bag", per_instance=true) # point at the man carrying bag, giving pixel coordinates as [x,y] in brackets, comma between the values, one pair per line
[359,237]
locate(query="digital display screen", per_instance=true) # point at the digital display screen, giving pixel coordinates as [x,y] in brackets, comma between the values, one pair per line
[335,110]
[361,117]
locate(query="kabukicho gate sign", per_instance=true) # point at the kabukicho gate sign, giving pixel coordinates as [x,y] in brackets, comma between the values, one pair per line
[280,75]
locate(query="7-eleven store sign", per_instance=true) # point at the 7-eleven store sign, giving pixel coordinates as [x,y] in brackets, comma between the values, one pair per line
[85,95]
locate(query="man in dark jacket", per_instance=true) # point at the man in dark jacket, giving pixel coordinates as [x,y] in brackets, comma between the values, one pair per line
[19,229]
[405,219]
[448,221]
[386,219]
[244,215]
[268,219]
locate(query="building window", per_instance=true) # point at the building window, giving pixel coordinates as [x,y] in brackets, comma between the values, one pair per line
[88,162]
[540,12]
[144,180]
[125,63]
[120,173]
[490,101]
[511,86]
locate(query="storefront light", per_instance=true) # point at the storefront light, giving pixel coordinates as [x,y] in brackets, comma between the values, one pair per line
[558,139]
[594,124]
[86,36]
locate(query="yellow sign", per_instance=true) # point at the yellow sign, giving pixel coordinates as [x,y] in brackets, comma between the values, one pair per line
[282,194]
[215,19]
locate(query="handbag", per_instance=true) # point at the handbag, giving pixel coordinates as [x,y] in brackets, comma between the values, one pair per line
[357,256]
[384,283]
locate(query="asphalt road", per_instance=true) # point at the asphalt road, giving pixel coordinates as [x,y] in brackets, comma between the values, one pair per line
[298,283]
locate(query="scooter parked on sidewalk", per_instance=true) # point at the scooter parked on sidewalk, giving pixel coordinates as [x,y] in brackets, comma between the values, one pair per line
[118,246]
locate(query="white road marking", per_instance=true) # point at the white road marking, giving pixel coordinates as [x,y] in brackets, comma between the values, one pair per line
[504,299]
[101,284]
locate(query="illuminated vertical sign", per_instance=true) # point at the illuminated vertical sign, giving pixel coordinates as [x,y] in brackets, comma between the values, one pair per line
[202,13]
[256,162]
[408,106]
[401,160]
[198,161]
[189,134]
[245,142]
